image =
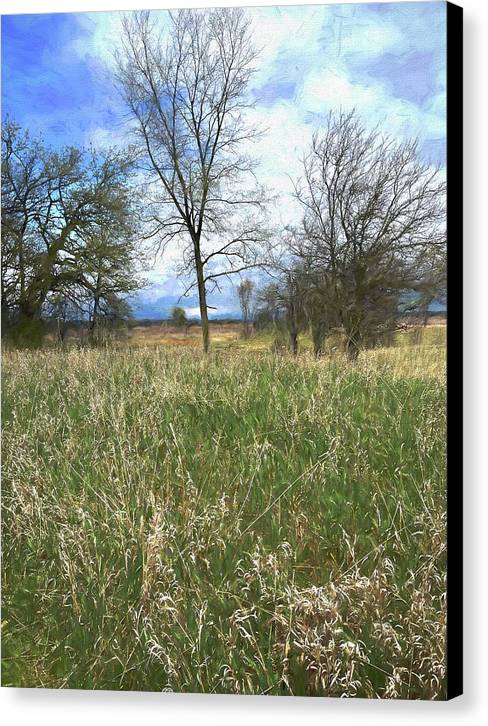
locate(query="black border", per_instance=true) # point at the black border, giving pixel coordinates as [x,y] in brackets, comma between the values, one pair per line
[454,350]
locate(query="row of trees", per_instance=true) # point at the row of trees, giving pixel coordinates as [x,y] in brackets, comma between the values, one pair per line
[371,244]
[371,240]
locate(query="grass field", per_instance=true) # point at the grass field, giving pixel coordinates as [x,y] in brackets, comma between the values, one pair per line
[246,523]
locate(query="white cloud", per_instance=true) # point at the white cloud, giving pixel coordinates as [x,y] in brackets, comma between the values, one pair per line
[102,36]
[330,87]
[354,31]
[319,51]
[280,31]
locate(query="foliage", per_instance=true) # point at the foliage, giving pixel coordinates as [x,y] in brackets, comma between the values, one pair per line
[178,317]
[68,227]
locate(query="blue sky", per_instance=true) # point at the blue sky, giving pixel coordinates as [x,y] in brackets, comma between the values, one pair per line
[52,82]
[386,60]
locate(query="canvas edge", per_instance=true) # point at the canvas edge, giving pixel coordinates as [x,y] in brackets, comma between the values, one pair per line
[454,657]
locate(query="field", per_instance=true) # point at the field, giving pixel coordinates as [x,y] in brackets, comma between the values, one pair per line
[247,523]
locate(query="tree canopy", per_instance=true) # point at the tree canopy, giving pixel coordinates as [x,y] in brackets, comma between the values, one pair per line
[68,226]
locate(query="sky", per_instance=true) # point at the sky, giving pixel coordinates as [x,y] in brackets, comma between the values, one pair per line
[388,61]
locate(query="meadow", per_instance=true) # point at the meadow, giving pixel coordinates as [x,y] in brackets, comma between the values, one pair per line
[246,522]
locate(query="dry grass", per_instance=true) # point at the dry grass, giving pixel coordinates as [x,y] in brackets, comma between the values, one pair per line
[248,523]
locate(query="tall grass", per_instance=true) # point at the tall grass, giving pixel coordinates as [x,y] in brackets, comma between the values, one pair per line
[243,524]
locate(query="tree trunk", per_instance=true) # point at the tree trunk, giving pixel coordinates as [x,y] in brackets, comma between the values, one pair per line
[94,322]
[36,292]
[202,298]
[96,306]
[245,323]
[5,316]
[352,349]
[29,328]
[318,335]
[294,342]
[29,310]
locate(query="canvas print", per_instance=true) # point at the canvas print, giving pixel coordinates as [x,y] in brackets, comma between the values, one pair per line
[223,299]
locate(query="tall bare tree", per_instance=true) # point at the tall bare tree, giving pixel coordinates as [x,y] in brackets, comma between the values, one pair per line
[186,89]
[373,213]
[245,292]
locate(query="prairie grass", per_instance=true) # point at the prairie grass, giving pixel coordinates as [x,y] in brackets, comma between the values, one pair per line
[246,523]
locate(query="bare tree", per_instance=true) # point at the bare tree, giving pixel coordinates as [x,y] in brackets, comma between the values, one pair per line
[431,283]
[186,90]
[245,292]
[372,212]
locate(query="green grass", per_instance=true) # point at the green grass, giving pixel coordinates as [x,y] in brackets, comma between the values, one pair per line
[248,523]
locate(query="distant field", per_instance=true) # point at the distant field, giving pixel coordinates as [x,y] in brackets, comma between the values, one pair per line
[246,523]
[229,335]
